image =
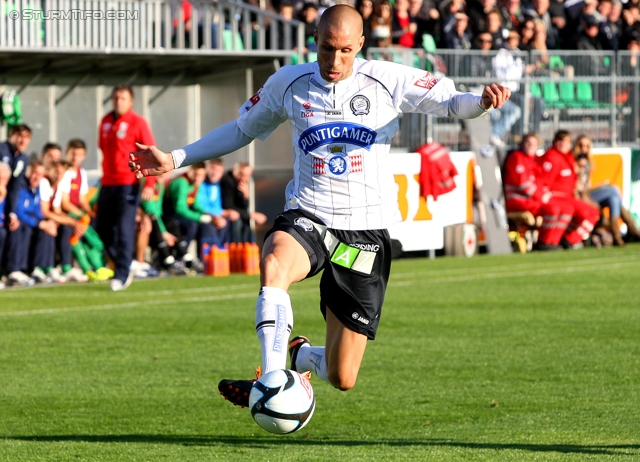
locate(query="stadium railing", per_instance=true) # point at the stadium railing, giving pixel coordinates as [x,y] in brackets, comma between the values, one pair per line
[597,93]
[147,26]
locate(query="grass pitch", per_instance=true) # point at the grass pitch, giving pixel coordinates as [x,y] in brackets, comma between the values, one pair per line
[494,358]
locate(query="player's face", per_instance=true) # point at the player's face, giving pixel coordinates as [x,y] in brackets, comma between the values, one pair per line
[21,140]
[122,102]
[563,145]
[337,49]
[75,156]
[244,174]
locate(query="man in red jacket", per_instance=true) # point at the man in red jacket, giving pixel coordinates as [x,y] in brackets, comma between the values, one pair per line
[120,130]
[559,175]
[525,191]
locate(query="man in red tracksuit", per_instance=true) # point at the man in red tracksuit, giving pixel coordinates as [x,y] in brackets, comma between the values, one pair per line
[525,191]
[120,130]
[559,175]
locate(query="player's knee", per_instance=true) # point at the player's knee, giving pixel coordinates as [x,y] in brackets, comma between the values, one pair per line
[273,271]
[341,380]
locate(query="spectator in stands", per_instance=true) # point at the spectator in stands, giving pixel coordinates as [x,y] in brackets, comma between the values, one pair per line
[381,24]
[209,198]
[13,152]
[512,17]
[457,38]
[286,11]
[86,245]
[30,246]
[509,68]
[5,175]
[611,29]
[120,130]
[525,192]
[235,195]
[527,35]
[403,27]
[309,16]
[559,175]
[494,27]
[480,64]
[630,17]
[539,9]
[448,9]
[181,211]
[540,45]
[603,194]
[365,7]
[588,39]
[427,18]
[477,11]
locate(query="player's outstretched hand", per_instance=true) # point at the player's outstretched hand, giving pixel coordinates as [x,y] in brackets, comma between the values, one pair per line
[150,161]
[494,96]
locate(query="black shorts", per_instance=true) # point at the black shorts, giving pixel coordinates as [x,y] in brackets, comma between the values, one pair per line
[356,267]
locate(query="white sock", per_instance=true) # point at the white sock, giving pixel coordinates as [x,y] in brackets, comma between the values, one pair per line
[312,358]
[274,321]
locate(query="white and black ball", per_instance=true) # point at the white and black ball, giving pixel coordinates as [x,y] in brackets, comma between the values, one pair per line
[282,401]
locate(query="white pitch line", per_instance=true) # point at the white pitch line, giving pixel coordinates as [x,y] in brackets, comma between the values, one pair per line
[542,272]
[525,266]
[143,303]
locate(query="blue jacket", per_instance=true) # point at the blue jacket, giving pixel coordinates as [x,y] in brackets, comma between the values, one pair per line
[28,207]
[18,161]
[209,198]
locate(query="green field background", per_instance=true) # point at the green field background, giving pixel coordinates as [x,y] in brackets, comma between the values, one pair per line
[493,358]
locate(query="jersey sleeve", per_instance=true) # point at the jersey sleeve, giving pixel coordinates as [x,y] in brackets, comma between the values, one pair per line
[64,187]
[264,111]
[84,184]
[45,190]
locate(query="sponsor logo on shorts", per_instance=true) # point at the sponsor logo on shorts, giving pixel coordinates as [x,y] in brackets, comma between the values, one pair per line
[359,105]
[369,247]
[359,318]
[353,258]
[304,223]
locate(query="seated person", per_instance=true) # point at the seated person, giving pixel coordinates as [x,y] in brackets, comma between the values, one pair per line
[558,172]
[86,245]
[235,195]
[5,174]
[602,195]
[30,245]
[209,198]
[181,211]
[153,232]
[525,192]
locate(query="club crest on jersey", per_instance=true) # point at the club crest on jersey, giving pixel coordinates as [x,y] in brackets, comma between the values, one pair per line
[122,130]
[304,223]
[360,105]
[336,132]
[337,164]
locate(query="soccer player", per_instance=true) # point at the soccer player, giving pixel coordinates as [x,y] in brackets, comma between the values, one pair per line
[344,113]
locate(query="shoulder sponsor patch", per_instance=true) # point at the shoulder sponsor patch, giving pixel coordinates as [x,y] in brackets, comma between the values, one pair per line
[427,81]
[255,99]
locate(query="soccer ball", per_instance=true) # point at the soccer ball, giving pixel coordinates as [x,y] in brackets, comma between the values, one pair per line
[282,401]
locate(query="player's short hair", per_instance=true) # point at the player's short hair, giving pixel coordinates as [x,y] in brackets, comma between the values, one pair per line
[561,135]
[531,135]
[76,143]
[35,162]
[19,129]
[198,166]
[122,87]
[51,145]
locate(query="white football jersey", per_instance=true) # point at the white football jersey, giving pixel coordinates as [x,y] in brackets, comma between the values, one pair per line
[342,135]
